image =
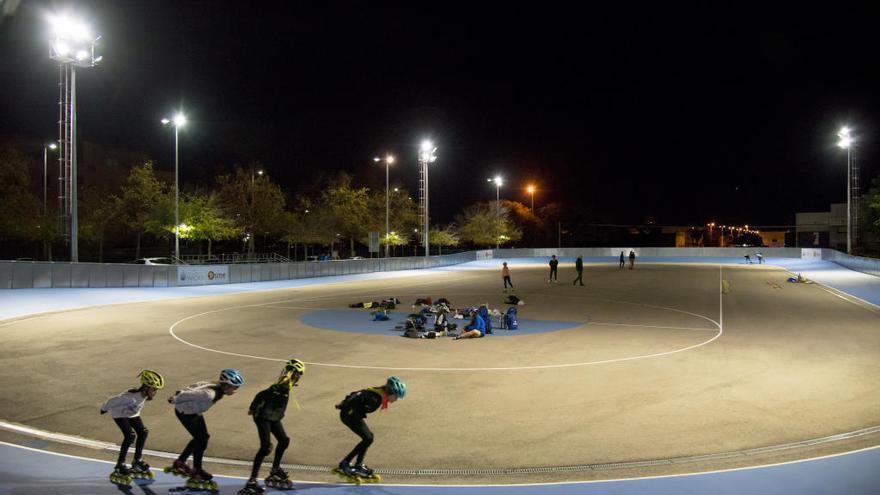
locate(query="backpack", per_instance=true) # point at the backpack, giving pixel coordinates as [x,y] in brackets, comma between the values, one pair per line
[511,299]
[510,319]
[415,322]
[483,313]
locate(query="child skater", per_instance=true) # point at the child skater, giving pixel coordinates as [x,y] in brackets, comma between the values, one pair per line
[353,410]
[125,409]
[189,405]
[267,409]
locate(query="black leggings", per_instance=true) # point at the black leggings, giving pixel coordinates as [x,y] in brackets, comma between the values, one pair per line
[359,426]
[131,427]
[196,426]
[553,274]
[263,429]
[507,281]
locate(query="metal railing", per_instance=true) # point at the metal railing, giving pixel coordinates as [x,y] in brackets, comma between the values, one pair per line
[233,258]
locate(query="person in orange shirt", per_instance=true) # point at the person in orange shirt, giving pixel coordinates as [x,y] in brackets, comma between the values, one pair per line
[505,273]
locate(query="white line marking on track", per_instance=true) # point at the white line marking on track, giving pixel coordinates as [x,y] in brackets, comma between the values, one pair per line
[399,368]
[427,486]
[695,329]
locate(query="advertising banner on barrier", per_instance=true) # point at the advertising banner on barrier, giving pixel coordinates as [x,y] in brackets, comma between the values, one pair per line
[202,274]
[811,254]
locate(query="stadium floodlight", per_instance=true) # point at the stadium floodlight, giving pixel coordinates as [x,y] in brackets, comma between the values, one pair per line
[426,156]
[847,142]
[71,44]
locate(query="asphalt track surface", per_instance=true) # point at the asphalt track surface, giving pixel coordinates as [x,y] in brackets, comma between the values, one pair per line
[666,374]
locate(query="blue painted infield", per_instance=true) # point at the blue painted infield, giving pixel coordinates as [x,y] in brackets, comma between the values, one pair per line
[360,321]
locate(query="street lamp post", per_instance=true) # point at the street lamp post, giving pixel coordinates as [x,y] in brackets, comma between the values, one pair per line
[497,180]
[45,221]
[46,148]
[178,121]
[389,159]
[531,190]
[847,142]
[426,156]
[72,45]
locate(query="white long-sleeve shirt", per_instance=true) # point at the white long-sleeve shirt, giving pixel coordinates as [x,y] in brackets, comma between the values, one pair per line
[195,399]
[128,404]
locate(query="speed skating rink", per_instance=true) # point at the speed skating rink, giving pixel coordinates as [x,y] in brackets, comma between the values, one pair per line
[665,369]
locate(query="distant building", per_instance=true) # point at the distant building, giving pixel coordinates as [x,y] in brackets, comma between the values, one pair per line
[825,229]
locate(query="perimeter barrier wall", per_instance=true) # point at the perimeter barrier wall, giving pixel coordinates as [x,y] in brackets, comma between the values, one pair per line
[41,274]
[650,252]
[44,274]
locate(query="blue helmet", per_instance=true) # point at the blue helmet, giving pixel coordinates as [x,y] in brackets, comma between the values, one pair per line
[232,377]
[395,386]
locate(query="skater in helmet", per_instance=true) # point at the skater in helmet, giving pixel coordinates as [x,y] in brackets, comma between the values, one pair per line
[189,405]
[353,410]
[125,409]
[268,409]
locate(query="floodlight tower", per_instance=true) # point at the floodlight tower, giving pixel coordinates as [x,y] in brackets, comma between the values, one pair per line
[426,156]
[72,45]
[847,142]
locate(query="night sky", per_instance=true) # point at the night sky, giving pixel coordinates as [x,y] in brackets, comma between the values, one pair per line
[672,116]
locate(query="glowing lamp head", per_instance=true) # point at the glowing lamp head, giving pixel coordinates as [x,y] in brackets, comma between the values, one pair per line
[846,139]
[179,120]
[497,180]
[531,189]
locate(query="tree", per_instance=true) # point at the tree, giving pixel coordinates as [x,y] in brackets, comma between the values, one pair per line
[142,193]
[871,203]
[403,216]
[205,221]
[99,208]
[302,226]
[443,237]
[481,225]
[20,210]
[522,217]
[252,201]
[347,209]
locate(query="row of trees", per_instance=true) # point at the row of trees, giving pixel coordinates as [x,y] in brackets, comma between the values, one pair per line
[244,211]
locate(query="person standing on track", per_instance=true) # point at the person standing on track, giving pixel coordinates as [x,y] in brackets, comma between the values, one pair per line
[622,262]
[554,263]
[579,268]
[505,274]
[632,259]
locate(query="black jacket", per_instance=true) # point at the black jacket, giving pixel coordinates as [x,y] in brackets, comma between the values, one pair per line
[271,403]
[359,404]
